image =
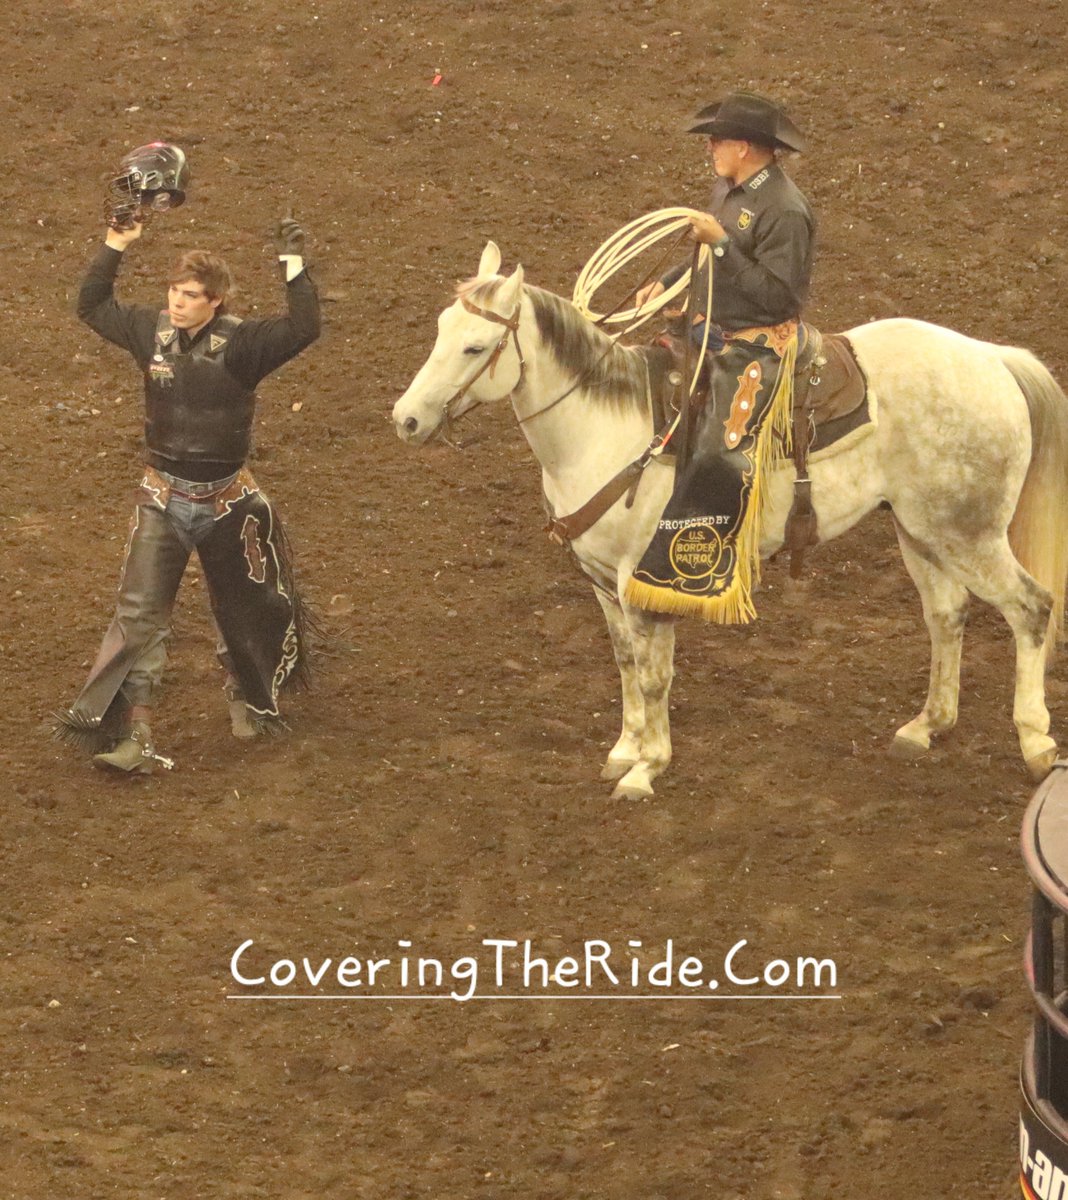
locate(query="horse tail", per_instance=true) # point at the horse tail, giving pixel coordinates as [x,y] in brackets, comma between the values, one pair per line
[1038,532]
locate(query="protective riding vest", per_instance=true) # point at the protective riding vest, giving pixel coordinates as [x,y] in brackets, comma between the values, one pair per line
[195,410]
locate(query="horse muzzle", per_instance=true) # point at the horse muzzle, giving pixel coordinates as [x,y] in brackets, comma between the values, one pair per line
[412,426]
[409,430]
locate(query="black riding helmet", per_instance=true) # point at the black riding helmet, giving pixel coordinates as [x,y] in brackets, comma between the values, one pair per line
[152,178]
[156,168]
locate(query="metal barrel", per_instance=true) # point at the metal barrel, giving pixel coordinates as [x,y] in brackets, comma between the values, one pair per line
[1044,1072]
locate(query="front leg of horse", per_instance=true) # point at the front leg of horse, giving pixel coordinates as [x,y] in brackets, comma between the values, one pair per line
[627,750]
[653,639]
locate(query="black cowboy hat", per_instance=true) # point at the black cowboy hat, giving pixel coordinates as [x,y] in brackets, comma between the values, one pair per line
[749,118]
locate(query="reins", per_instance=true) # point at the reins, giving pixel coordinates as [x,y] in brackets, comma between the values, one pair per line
[607,261]
[614,314]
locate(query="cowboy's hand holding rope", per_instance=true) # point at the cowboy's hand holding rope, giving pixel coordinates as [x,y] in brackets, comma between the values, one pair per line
[705,228]
[649,292]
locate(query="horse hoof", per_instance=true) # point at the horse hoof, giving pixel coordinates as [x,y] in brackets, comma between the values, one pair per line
[906,748]
[616,768]
[632,791]
[1041,765]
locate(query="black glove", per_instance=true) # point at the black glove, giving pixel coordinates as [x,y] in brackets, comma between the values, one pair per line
[289,237]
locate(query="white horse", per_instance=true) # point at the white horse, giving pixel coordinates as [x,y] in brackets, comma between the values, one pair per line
[968,445]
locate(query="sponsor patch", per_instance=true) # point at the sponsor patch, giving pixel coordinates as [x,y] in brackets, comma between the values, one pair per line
[1043,1156]
[161,371]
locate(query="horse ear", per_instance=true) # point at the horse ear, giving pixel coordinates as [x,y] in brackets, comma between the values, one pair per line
[508,294]
[490,262]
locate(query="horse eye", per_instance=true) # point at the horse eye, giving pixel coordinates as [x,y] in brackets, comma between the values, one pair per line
[473,349]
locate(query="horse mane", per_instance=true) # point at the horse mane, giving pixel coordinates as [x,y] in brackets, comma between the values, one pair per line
[610,373]
[478,288]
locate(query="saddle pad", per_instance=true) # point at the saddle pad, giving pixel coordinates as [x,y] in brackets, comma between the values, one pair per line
[840,400]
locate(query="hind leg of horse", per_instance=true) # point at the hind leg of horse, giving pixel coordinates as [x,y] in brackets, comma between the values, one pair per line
[945,611]
[653,639]
[627,750]
[997,577]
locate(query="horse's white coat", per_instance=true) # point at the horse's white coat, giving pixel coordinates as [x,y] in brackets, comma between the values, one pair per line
[950,449]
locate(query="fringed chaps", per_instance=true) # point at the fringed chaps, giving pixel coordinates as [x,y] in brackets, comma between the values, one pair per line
[248,570]
[705,555]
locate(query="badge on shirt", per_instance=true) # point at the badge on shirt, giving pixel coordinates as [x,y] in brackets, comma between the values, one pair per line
[161,371]
[745,218]
[216,343]
[165,336]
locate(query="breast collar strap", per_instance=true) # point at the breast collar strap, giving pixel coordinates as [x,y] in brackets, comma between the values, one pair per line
[511,330]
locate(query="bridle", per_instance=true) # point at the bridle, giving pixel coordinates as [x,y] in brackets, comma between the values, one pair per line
[511,330]
[511,325]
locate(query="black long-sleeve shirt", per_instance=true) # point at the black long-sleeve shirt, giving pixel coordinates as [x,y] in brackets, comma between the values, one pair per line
[761,274]
[255,348]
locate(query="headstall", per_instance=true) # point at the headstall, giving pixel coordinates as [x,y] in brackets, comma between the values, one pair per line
[511,329]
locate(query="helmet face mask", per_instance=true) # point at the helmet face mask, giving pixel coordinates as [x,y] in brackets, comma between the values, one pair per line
[152,178]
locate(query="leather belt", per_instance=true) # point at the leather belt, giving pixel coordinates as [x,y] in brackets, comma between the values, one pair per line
[157,488]
[200,497]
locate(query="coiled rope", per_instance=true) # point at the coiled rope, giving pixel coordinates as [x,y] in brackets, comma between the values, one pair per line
[625,245]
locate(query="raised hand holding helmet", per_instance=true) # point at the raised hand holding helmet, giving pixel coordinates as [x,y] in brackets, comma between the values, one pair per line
[152,178]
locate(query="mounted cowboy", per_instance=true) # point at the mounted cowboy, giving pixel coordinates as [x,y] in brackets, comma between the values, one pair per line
[704,556]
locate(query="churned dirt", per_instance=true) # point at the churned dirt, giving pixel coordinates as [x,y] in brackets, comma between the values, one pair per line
[440,784]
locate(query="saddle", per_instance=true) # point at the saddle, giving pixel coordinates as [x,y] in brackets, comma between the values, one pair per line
[830,384]
[830,401]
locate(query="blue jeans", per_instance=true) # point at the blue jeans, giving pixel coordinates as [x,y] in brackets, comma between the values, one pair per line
[192,520]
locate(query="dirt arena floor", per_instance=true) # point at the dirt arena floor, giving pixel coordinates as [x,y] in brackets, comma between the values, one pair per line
[440,785]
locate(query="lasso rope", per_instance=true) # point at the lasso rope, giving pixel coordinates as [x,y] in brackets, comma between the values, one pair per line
[623,247]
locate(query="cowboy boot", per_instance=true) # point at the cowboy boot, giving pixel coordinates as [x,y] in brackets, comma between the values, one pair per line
[241,724]
[134,754]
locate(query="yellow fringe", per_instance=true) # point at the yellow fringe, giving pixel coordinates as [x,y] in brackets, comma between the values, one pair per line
[735,605]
